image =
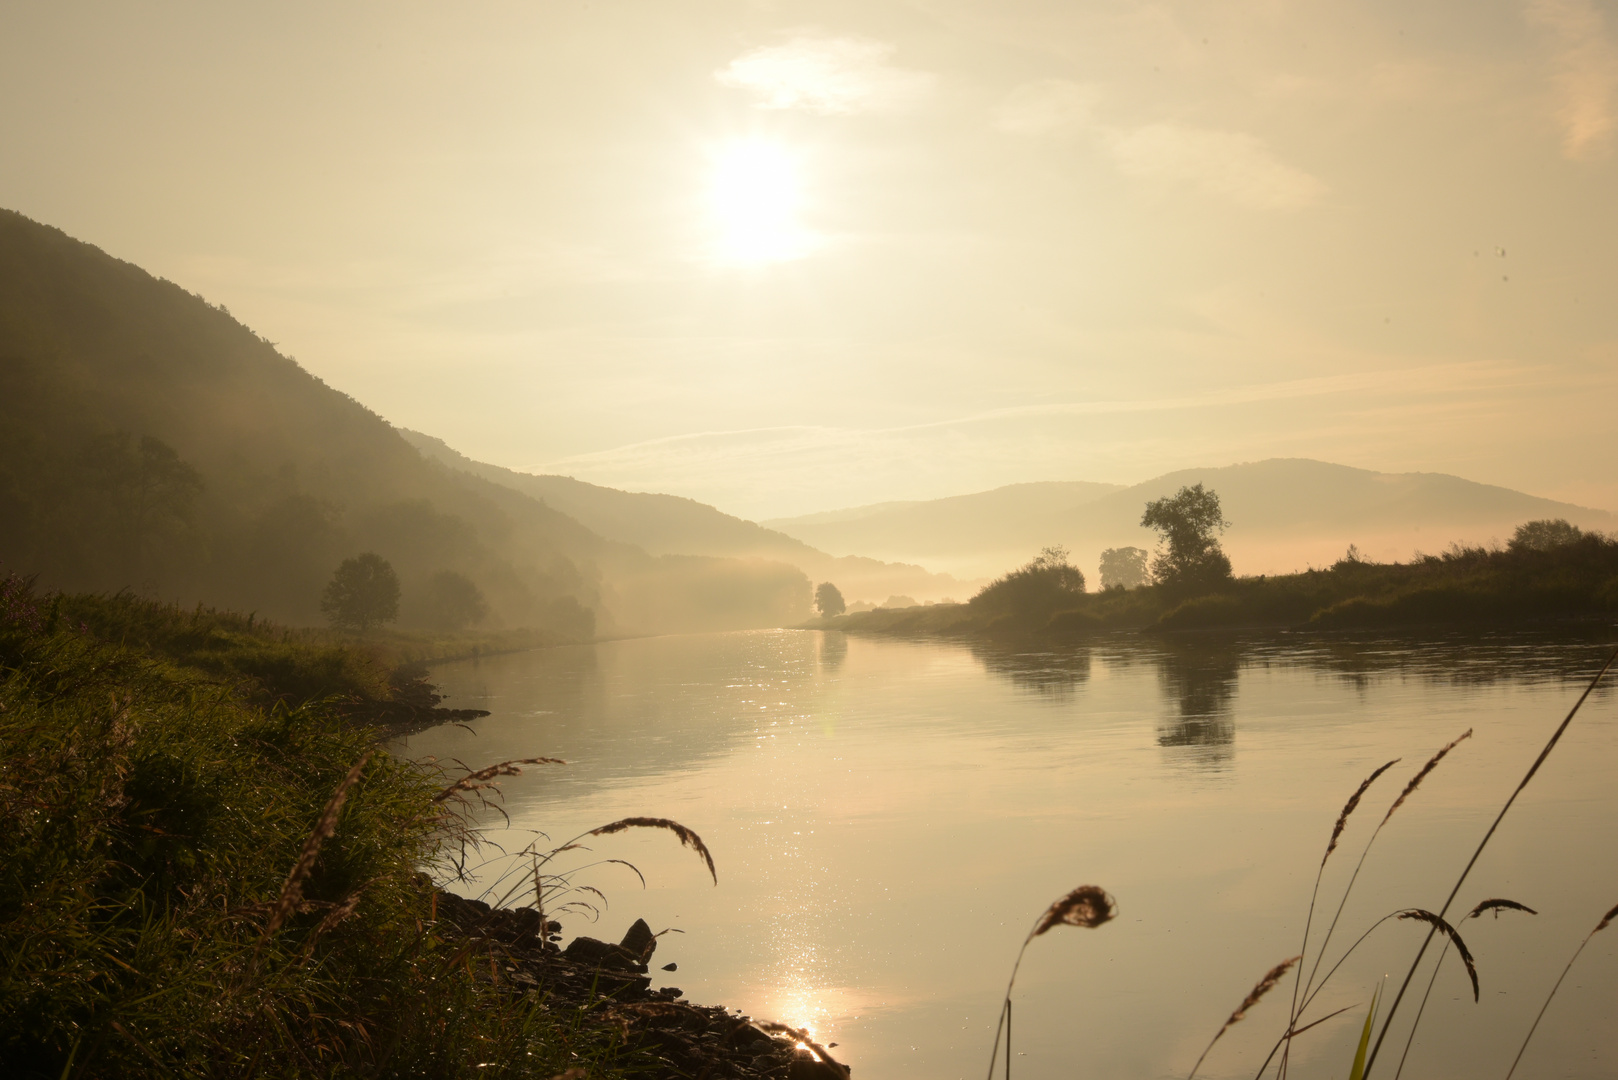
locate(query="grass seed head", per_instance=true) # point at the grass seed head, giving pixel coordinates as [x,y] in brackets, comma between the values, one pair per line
[687,837]
[1415,781]
[1349,807]
[1088,906]
[1460,946]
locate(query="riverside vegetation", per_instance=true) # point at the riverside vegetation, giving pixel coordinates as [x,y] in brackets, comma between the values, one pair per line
[211,868]
[1549,570]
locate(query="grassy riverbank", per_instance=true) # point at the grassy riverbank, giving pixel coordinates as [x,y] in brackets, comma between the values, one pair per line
[1465,585]
[163,777]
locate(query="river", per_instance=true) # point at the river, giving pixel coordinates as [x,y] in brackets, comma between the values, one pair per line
[889,817]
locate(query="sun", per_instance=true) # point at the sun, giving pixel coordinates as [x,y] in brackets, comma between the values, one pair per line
[755,199]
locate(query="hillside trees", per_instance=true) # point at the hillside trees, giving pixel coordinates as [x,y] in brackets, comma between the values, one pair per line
[1188,521]
[362,594]
[453,601]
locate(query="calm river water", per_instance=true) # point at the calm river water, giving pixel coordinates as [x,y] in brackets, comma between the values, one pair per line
[889,817]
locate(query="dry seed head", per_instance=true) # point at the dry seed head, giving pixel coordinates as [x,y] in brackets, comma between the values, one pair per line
[292,892]
[687,837]
[1497,906]
[1264,986]
[1415,781]
[1088,906]
[1460,946]
[1352,804]
[1607,918]
[481,778]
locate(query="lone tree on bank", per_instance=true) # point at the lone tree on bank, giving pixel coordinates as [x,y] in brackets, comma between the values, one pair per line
[1188,520]
[364,592]
[829,600]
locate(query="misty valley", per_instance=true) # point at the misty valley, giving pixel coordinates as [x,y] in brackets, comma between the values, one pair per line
[802,541]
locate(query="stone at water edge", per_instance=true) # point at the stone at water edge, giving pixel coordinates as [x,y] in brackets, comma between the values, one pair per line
[639,942]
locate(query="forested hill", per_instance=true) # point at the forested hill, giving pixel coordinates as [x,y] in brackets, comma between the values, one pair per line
[1285,514]
[673,525]
[150,441]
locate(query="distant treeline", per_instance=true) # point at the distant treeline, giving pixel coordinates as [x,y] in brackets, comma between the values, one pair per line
[1549,570]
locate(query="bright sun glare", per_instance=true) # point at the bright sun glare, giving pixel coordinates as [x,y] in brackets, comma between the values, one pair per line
[755,197]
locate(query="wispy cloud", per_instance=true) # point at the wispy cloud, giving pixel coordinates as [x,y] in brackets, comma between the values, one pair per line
[828,75]
[1229,164]
[1232,164]
[1046,107]
[1586,78]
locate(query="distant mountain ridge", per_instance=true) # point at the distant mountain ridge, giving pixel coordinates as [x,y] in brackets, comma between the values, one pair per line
[674,525]
[1285,513]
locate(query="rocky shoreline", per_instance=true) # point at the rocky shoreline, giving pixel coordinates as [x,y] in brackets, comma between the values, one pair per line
[609,987]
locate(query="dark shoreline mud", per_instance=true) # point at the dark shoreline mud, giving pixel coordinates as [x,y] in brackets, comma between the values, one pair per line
[606,985]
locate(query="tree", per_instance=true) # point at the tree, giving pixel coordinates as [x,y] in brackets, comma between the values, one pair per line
[1123,568]
[829,600]
[1043,585]
[364,592]
[144,496]
[454,602]
[1544,535]
[1187,521]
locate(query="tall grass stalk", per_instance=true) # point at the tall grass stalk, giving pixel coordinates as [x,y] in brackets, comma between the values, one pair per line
[1600,926]
[1087,906]
[1533,769]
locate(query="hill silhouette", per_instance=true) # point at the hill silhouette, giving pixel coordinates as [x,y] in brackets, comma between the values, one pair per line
[149,441]
[673,525]
[1286,513]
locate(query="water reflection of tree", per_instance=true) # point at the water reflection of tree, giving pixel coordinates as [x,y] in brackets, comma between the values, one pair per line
[1198,676]
[833,651]
[1055,671]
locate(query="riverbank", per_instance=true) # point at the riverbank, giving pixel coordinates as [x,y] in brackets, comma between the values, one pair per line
[212,868]
[1462,586]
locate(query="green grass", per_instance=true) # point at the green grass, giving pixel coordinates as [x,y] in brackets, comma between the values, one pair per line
[153,810]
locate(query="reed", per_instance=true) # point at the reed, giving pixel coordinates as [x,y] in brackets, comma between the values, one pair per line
[1550,745]
[1254,996]
[1606,920]
[1087,906]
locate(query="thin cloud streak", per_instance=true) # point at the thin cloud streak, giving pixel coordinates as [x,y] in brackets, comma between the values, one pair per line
[827,75]
[1426,379]
[1233,165]
[1586,77]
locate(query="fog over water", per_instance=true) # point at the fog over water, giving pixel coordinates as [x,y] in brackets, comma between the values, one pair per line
[889,817]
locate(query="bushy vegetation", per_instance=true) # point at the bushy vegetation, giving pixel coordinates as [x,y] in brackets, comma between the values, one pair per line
[151,922]
[1044,584]
[1531,578]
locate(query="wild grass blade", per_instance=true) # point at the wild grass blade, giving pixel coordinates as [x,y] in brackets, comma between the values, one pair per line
[1087,906]
[1496,906]
[1357,1071]
[1528,777]
[1600,926]
[1308,922]
[1438,923]
[687,837]
[292,890]
[1409,789]
[1254,996]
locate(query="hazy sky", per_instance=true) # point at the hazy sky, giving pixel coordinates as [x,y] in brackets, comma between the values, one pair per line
[787,256]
